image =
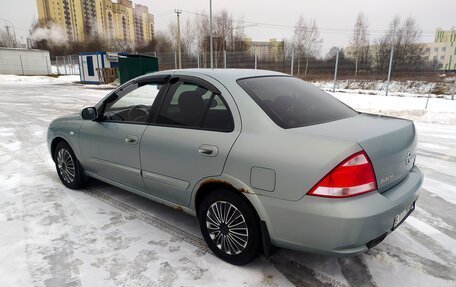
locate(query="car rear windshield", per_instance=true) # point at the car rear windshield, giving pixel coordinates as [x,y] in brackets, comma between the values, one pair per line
[291,102]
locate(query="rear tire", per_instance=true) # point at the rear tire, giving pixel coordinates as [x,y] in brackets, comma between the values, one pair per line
[68,167]
[230,227]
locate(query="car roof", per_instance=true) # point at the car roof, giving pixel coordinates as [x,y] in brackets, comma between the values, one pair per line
[223,75]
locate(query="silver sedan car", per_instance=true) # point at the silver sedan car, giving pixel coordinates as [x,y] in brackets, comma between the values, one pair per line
[261,158]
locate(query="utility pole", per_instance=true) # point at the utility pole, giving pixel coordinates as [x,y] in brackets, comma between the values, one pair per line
[8,37]
[389,70]
[178,12]
[210,34]
[335,70]
[356,67]
[454,88]
[292,61]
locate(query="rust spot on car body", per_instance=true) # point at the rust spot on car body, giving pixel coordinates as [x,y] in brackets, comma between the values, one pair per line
[243,190]
[179,208]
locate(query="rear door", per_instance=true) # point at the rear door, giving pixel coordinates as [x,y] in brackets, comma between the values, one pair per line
[192,135]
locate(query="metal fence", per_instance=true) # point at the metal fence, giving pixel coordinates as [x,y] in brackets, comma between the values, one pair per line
[24,62]
[333,69]
[65,65]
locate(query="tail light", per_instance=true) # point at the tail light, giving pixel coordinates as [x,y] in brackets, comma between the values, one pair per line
[352,177]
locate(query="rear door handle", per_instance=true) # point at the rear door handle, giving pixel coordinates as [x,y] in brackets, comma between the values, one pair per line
[131,139]
[208,150]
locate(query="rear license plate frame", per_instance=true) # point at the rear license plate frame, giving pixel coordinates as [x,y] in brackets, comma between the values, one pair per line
[401,217]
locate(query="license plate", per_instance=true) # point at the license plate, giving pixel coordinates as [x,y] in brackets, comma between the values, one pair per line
[398,219]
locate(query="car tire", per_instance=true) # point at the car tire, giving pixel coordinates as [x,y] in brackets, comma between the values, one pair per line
[68,167]
[230,227]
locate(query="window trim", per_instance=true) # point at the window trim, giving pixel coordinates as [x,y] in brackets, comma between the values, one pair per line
[195,81]
[152,109]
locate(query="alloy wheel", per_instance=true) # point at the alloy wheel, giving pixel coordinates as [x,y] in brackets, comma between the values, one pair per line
[227,227]
[66,165]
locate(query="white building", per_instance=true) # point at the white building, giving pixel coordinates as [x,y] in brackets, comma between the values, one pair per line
[442,53]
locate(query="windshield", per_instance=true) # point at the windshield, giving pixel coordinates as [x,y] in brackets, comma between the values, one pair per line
[291,102]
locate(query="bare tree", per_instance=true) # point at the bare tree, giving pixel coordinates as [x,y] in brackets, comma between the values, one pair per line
[285,54]
[332,53]
[202,35]
[3,40]
[172,34]
[411,48]
[360,42]
[223,26]
[188,37]
[405,38]
[163,43]
[307,41]
[237,40]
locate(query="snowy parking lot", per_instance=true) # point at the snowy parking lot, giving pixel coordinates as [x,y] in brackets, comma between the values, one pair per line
[104,236]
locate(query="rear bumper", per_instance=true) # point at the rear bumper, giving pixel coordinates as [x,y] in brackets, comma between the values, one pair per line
[339,226]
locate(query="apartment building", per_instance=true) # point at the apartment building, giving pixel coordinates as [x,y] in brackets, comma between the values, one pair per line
[111,20]
[442,53]
[65,13]
[270,50]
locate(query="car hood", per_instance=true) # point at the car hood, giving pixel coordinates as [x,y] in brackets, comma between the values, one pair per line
[70,117]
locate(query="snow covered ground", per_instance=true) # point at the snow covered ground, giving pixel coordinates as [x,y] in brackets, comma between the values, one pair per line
[103,236]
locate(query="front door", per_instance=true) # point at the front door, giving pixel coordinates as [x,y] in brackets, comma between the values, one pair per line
[110,147]
[190,139]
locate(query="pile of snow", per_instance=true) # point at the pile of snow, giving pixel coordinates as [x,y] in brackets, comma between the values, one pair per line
[65,69]
[424,110]
[8,79]
[396,88]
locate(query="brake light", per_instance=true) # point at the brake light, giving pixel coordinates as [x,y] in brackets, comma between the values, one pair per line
[353,176]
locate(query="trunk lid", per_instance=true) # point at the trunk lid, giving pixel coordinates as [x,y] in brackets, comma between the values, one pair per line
[389,142]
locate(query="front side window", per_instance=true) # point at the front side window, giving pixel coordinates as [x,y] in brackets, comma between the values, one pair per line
[133,104]
[291,102]
[193,106]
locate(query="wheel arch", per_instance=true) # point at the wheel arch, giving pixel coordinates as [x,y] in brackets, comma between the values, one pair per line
[209,185]
[54,144]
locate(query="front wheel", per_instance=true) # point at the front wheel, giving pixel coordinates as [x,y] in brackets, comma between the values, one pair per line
[68,168]
[229,227]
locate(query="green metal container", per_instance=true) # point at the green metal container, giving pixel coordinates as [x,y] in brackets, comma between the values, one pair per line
[134,65]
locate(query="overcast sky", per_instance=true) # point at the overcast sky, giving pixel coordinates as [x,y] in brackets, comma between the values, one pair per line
[334,18]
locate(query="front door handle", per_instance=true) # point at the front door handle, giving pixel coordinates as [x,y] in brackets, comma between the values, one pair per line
[131,139]
[208,150]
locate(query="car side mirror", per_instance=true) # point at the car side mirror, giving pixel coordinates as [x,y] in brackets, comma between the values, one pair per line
[89,114]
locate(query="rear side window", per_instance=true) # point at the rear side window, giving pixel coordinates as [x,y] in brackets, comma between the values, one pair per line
[291,102]
[193,106]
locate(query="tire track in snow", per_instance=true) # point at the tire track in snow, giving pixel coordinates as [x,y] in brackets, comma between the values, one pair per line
[444,190]
[415,261]
[436,212]
[157,222]
[356,272]
[44,206]
[433,173]
[436,155]
[447,243]
[293,272]
[301,275]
